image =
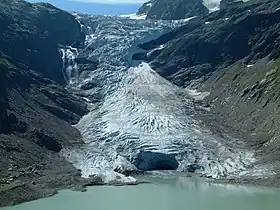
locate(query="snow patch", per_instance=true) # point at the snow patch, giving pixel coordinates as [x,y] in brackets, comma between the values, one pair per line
[188,19]
[212,5]
[196,94]
[134,16]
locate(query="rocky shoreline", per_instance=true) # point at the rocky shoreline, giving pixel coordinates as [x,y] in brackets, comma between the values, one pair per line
[31,188]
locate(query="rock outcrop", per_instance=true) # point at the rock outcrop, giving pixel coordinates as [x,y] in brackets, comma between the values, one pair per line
[145,8]
[30,34]
[217,40]
[36,112]
[173,9]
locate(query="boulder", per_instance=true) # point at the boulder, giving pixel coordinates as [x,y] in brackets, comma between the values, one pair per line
[193,168]
[128,172]
[93,181]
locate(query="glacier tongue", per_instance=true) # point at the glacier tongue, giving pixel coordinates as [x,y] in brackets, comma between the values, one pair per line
[139,110]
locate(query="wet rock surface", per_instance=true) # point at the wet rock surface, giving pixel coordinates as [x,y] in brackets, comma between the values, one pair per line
[129,172]
[30,34]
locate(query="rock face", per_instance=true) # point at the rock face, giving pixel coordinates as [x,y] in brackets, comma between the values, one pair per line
[149,161]
[30,34]
[36,112]
[145,8]
[173,9]
[226,4]
[217,40]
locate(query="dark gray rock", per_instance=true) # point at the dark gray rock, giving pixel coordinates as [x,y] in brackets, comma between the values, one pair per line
[185,75]
[139,56]
[128,172]
[93,181]
[39,29]
[145,8]
[173,9]
[193,168]
[247,31]
[226,4]
[86,63]
[36,111]
[63,99]
[88,86]
[47,141]
[148,161]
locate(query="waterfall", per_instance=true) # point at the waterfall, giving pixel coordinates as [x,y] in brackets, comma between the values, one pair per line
[69,64]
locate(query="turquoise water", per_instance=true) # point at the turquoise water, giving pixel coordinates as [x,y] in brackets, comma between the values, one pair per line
[173,193]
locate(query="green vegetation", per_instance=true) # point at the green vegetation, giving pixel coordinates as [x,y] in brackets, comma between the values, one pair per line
[5,66]
[250,76]
[274,75]
[244,77]
[276,69]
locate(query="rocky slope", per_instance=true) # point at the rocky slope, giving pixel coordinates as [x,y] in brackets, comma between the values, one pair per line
[173,10]
[232,56]
[36,112]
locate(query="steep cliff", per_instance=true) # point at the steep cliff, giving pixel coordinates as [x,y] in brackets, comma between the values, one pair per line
[173,10]
[30,34]
[36,112]
[248,31]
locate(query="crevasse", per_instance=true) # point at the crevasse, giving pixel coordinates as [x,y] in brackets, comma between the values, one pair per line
[139,110]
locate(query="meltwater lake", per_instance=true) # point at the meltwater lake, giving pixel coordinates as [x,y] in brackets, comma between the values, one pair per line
[162,193]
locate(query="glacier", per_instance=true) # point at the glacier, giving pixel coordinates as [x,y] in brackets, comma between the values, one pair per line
[138,110]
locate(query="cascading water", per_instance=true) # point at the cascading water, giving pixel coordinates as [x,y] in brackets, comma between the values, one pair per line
[138,110]
[69,68]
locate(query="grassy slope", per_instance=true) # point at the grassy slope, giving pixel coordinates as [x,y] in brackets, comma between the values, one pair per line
[245,102]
